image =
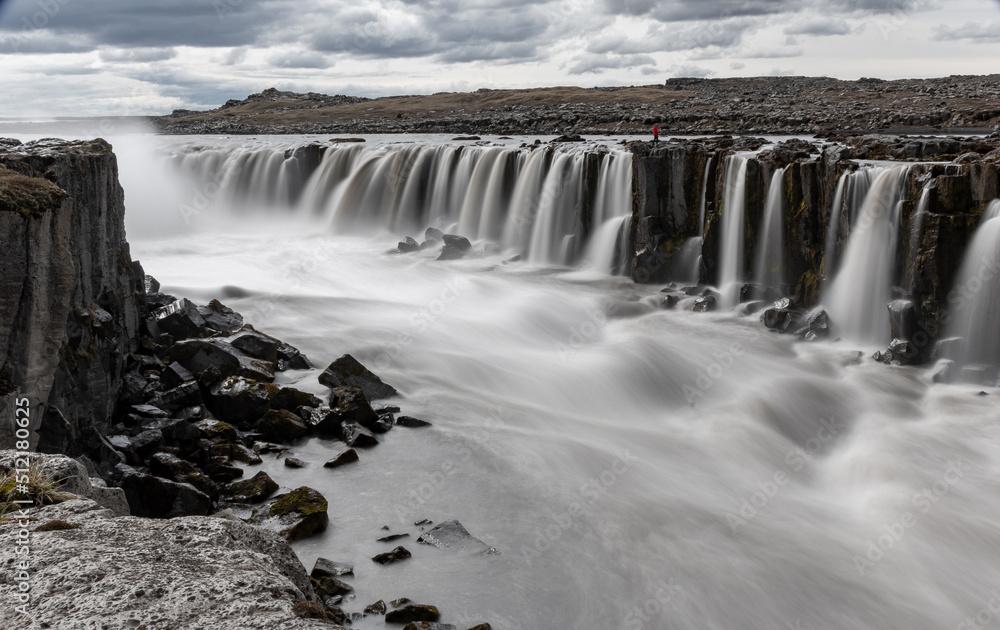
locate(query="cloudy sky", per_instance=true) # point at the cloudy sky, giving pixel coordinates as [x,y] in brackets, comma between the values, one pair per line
[125,57]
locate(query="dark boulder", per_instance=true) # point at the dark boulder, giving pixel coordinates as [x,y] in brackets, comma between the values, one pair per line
[817,326]
[453,535]
[378,608]
[347,457]
[455,247]
[290,399]
[279,425]
[175,374]
[429,625]
[350,404]
[220,358]
[349,372]
[390,557]
[220,318]
[180,319]
[252,490]
[154,497]
[139,448]
[294,462]
[329,568]
[355,435]
[408,421]
[706,304]
[241,401]
[184,395]
[413,612]
[433,234]
[289,358]
[255,344]
[384,423]
[392,537]
[171,467]
[408,245]
[295,515]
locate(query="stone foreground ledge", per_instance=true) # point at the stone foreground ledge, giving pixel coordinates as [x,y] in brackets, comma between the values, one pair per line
[197,573]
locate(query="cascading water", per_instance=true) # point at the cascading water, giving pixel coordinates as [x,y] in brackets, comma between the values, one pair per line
[915,231]
[858,296]
[798,488]
[733,231]
[688,266]
[524,200]
[769,271]
[852,188]
[973,303]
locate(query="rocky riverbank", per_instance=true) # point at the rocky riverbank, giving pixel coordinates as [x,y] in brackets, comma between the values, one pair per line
[164,404]
[757,105]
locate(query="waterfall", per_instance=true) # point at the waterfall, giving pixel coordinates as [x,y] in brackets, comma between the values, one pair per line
[916,228]
[733,231]
[833,229]
[857,297]
[611,219]
[769,270]
[973,302]
[704,198]
[852,189]
[529,200]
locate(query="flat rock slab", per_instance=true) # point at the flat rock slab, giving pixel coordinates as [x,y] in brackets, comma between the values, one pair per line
[189,572]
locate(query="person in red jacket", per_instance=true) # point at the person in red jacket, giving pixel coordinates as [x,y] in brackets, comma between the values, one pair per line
[656,133]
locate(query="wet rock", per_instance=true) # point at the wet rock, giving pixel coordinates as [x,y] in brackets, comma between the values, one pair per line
[326,422]
[180,397]
[171,467]
[221,358]
[293,462]
[154,497]
[216,430]
[413,612]
[411,422]
[482,626]
[280,425]
[408,245]
[290,399]
[349,372]
[390,557]
[241,401]
[455,247]
[255,344]
[355,435]
[296,515]
[669,301]
[347,457]
[392,537]
[350,405]
[327,587]
[706,304]
[384,423]
[944,371]
[138,448]
[428,625]
[817,326]
[453,535]
[180,319]
[378,608]
[252,490]
[220,318]
[783,316]
[175,374]
[433,234]
[329,568]
[289,358]
[396,603]
[902,351]
[221,470]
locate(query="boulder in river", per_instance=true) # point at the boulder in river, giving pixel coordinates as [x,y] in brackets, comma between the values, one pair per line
[390,557]
[355,435]
[295,515]
[349,372]
[455,247]
[279,425]
[347,457]
[252,490]
[413,612]
[453,535]
[220,318]
[408,245]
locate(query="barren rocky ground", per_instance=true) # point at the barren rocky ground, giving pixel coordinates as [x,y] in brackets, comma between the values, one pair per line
[761,105]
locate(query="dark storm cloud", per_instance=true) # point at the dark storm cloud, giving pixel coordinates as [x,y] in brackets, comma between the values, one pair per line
[686,10]
[151,23]
[137,55]
[988,31]
[819,27]
[596,63]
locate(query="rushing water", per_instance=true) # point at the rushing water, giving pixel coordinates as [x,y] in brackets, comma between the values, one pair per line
[733,231]
[770,268]
[635,467]
[857,298]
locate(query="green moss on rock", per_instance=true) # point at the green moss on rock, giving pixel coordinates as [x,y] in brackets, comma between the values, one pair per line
[304,501]
[28,196]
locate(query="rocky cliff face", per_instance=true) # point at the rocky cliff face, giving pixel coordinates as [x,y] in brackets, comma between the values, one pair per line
[960,177]
[69,291]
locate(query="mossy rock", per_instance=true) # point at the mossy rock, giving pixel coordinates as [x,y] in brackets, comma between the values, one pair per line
[253,490]
[28,196]
[295,515]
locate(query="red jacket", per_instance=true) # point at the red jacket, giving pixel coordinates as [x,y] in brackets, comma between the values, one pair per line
[656,130]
